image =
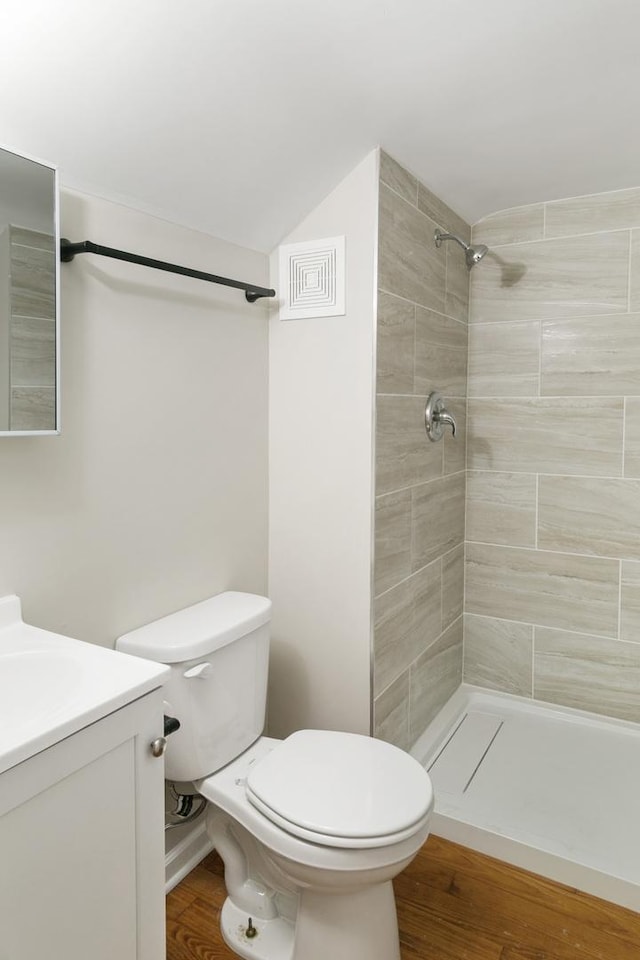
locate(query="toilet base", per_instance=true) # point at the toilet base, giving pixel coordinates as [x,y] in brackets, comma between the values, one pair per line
[273,941]
[350,925]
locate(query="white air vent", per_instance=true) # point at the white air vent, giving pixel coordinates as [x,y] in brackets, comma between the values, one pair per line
[312,279]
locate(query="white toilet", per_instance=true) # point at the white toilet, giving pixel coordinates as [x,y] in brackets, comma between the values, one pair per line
[312,829]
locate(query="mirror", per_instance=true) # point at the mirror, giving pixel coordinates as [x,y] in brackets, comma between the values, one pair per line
[29,283]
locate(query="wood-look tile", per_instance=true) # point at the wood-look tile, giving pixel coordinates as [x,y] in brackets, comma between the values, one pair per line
[399,179]
[407,619]
[442,215]
[33,283]
[391,713]
[437,518]
[32,238]
[33,408]
[614,210]
[590,515]
[392,540]
[501,508]
[569,277]
[182,898]
[441,355]
[567,436]
[196,935]
[203,890]
[434,676]
[424,933]
[630,601]
[452,585]
[498,654]
[553,589]
[427,605]
[591,356]
[632,437]
[456,299]
[536,918]
[409,263]
[455,448]
[404,455]
[393,635]
[587,672]
[504,359]
[543,919]
[33,352]
[516,225]
[396,344]
[455,903]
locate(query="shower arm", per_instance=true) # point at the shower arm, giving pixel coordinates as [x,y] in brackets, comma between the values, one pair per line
[439,237]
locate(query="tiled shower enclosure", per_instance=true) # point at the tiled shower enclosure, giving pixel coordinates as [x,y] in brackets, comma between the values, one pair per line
[547,474]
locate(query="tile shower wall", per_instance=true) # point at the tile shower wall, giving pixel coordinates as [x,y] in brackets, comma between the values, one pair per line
[552,604]
[29,307]
[420,486]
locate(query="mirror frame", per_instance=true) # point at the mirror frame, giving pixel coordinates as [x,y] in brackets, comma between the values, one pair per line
[56,245]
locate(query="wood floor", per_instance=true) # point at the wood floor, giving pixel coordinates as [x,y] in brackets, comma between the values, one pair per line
[453,904]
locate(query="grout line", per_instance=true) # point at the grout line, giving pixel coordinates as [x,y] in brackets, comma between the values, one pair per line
[543,473]
[594,397]
[420,396]
[555,553]
[421,483]
[383,183]
[519,321]
[563,236]
[422,306]
[443,556]
[537,510]
[624,438]
[632,644]
[414,573]
[412,666]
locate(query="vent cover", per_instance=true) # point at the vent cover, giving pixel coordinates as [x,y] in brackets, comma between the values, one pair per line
[312,279]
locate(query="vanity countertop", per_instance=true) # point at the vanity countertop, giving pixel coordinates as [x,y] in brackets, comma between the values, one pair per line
[51,686]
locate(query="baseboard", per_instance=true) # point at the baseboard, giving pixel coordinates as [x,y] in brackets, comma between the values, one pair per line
[186,855]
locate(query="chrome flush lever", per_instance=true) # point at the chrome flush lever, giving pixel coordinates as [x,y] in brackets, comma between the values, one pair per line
[436,416]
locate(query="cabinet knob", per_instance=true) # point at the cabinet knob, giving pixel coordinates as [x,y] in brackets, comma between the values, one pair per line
[158,747]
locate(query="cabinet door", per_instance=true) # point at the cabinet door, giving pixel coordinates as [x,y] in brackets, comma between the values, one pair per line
[81,845]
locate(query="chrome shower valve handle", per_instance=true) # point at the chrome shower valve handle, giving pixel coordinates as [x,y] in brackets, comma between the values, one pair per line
[436,416]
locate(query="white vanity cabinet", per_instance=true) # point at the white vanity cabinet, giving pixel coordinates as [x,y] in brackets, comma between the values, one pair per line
[82,844]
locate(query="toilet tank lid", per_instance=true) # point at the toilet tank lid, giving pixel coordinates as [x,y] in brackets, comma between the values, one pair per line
[198,630]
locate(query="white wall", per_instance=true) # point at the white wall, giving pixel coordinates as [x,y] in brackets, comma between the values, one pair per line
[155,494]
[321,482]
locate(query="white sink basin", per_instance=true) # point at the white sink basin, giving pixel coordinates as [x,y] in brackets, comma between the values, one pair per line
[44,680]
[51,686]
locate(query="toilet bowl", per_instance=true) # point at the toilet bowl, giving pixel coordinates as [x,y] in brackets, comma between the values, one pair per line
[311,829]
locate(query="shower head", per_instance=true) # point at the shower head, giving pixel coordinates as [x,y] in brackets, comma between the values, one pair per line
[472,255]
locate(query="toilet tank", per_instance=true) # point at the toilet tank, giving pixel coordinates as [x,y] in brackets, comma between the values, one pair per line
[218,652]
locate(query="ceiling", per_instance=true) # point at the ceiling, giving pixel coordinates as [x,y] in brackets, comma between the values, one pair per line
[235,117]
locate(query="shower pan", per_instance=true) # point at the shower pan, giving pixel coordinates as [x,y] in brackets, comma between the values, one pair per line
[551,789]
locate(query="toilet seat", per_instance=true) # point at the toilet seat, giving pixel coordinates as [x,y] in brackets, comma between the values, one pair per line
[341,789]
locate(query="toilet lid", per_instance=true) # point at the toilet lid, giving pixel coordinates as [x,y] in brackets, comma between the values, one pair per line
[341,788]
